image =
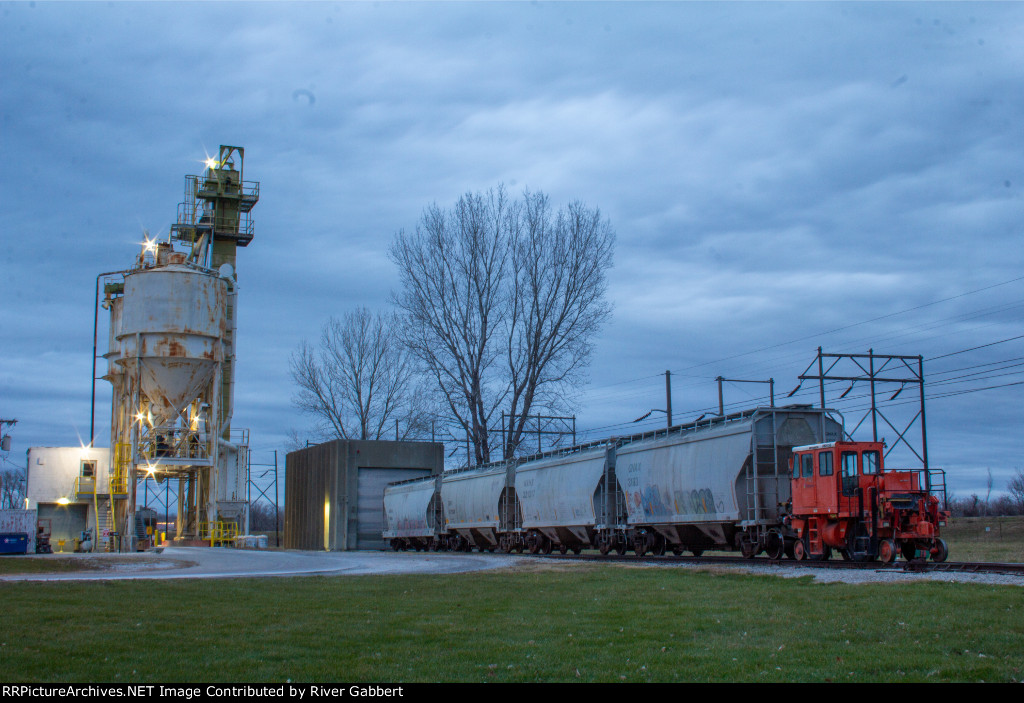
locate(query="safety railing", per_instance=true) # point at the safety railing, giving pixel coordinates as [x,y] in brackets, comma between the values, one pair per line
[220,532]
[119,476]
[85,485]
[172,443]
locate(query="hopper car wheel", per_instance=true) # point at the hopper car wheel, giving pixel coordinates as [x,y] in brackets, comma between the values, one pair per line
[677,550]
[604,546]
[640,547]
[394,545]
[533,543]
[519,547]
[696,552]
[563,548]
[577,549]
[941,551]
[658,549]
[799,551]
[620,546]
[775,546]
[887,551]
[547,547]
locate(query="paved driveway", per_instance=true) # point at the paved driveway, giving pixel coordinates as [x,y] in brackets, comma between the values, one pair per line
[206,562]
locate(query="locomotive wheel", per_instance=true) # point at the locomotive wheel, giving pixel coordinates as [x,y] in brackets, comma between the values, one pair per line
[909,550]
[845,554]
[775,546]
[887,551]
[941,551]
[799,551]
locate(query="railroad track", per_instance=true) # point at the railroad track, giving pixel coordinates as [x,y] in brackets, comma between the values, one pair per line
[912,566]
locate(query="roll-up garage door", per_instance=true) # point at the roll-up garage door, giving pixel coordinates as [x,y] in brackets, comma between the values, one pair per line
[370,502]
[66,522]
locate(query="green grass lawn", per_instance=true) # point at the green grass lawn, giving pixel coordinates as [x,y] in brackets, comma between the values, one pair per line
[994,539]
[577,623]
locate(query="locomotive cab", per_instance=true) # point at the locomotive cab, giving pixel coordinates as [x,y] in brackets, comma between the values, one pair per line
[843,498]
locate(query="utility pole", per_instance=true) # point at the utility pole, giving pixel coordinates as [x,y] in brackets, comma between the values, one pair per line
[668,399]
[721,380]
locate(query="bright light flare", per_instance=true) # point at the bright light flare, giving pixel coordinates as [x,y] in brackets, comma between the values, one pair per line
[211,163]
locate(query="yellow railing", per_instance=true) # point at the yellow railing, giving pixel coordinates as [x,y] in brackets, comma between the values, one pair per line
[119,476]
[85,485]
[220,532]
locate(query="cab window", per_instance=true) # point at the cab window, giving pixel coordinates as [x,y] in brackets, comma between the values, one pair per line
[807,466]
[870,463]
[825,464]
[849,466]
[796,466]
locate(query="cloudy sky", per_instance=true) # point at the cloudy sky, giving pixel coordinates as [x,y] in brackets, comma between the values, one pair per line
[780,177]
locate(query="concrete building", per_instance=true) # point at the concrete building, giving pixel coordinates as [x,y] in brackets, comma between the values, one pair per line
[69,487]
[334,492]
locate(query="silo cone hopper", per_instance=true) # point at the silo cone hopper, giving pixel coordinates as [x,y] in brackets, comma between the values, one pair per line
[172,326]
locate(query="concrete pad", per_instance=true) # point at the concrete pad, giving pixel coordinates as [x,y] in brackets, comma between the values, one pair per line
[215,562]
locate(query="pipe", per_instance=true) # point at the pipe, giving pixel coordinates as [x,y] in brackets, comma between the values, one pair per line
[95,326]
[228,445]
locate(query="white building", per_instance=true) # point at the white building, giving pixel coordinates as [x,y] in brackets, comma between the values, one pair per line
[70,487]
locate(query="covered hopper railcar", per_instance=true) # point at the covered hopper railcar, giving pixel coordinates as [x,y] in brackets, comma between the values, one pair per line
[724,483]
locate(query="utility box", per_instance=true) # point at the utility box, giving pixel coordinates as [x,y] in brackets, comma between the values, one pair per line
[334,492]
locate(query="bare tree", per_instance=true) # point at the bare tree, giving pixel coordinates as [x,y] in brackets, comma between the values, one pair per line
[502,300]
[359,382]
[12,488]
[1016,489]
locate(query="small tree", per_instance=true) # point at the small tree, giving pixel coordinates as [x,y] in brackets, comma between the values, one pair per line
[359,382]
